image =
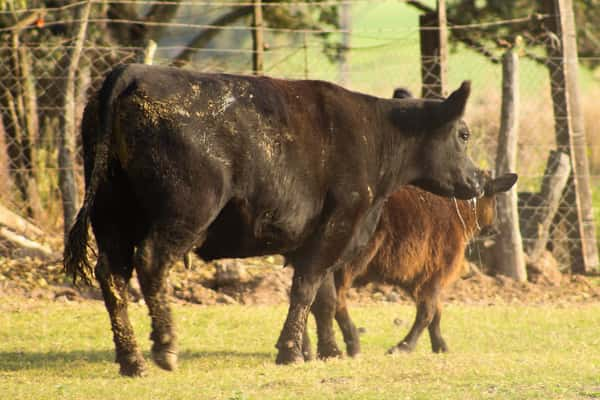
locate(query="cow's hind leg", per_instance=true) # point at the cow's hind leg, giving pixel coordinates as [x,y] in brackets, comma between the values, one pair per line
[114,237]
[153,258]
[168,240]
[113,271]
[323,309]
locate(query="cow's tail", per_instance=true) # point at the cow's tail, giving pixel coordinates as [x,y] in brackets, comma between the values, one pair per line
[75,256]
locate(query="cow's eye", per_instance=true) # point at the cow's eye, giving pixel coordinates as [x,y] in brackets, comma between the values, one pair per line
[464,135]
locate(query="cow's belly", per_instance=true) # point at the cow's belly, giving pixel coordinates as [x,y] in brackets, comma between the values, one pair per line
[240,231]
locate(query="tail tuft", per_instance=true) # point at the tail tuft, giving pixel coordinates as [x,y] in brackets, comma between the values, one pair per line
[75,256]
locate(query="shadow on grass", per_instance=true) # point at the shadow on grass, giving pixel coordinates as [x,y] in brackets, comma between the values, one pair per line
[18,361]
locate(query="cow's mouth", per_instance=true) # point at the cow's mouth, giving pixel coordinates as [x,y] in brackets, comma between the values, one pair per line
[460,191]
[464,192]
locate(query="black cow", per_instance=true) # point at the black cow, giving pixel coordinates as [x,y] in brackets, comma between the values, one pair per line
[239,166]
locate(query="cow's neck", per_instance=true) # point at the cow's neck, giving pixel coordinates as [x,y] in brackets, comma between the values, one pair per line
[398,151]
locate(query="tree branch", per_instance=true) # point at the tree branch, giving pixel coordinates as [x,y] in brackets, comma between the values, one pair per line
[158,13]
[471,43]
[204,37]
[137,34]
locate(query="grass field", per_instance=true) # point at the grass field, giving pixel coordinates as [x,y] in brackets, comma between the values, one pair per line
[64,351]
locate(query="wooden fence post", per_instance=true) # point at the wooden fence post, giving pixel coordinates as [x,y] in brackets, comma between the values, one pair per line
[570,134]
[508,249]
[434,52]
[149,51]
[537,226]
[258,46]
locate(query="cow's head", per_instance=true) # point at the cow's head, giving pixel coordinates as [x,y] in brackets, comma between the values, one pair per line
[440,163]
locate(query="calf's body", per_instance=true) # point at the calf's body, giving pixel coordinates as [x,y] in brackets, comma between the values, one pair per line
[418,246]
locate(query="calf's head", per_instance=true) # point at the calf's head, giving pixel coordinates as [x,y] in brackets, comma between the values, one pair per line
[440,163]
[486,206]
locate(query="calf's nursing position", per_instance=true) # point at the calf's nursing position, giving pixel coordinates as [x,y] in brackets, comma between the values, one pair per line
[240,166]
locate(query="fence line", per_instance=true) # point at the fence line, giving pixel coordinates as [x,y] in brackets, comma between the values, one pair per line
[380,60]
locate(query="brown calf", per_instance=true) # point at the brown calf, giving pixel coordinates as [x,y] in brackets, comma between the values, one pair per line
[419,246]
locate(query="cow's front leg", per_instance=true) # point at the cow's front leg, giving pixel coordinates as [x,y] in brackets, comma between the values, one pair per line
[333,245]
[304,287]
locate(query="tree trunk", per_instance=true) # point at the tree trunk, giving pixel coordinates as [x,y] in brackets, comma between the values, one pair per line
[19,100]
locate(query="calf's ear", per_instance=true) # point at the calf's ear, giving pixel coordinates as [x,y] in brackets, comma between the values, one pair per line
[501,184]
[454,106]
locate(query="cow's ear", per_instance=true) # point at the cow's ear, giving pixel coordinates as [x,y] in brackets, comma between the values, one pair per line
[454,106]
[501,184]
[402,93]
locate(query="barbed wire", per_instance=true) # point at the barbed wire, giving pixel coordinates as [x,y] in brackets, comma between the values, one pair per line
[172,24]
[378,61]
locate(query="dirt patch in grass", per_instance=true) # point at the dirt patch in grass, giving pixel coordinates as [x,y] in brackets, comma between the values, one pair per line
[265,281]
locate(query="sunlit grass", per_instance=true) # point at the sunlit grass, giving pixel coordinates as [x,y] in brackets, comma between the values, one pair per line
[51,351]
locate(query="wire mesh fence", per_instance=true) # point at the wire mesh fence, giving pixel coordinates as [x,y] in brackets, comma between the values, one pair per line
[374,49]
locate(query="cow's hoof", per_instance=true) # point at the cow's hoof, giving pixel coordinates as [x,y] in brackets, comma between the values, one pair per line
[440,349]
[400,348]
[330,351]
[308,355]
[165,358]
[287,356]
[288,353]
[353,349]
[133,366]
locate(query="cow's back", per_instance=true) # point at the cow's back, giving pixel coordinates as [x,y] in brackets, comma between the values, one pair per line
[269,150]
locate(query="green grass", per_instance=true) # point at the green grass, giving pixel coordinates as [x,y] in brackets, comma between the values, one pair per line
[51,351]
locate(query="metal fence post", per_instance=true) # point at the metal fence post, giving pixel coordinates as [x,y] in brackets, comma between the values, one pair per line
[570,134]
[434,52]
[258,46]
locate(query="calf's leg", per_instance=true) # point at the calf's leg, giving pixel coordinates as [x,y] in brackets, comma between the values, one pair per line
[323,309]
[426,310]
[438,344]
[349,331]
[307,352]
[343,282]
